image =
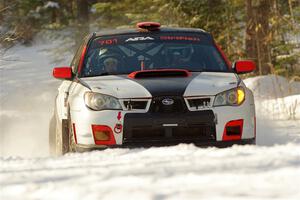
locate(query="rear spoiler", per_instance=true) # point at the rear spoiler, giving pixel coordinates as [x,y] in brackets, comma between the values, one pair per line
[160,73]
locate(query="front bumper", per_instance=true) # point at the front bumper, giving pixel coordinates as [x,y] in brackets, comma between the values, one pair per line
[153,129]
[150,128]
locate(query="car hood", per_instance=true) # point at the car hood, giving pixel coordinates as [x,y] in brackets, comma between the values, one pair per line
[198,84]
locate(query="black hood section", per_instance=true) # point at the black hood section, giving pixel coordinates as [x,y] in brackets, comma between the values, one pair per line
[159,73]
[165,86]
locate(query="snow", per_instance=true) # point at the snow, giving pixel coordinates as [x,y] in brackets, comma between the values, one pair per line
[51,4]
[269,170]
[179,172]
[27,92]
[272,87]
[276,97]
[281,108]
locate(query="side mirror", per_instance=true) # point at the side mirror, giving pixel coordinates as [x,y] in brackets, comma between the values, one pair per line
[62,72]
[244,66]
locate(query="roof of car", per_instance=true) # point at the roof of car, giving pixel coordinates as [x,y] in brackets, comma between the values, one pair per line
[136,30]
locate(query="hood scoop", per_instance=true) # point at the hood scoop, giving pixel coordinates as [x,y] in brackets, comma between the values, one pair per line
[160,73]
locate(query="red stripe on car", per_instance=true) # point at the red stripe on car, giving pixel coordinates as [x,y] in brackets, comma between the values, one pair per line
[224,56]
[81,59]
[74,132]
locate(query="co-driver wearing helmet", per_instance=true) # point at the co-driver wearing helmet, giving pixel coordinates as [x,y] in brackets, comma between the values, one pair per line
[111,65]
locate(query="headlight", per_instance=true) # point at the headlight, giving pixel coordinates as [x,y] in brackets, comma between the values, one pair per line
[233,97]
[97,101]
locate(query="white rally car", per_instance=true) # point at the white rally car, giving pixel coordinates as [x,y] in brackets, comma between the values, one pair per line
[151,86]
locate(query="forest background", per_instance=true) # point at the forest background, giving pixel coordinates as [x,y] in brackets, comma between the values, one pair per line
[266,31]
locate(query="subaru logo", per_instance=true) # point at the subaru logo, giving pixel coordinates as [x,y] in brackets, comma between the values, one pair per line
[167,102]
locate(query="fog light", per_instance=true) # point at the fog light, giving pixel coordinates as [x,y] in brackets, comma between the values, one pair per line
[233,130]
[103,135]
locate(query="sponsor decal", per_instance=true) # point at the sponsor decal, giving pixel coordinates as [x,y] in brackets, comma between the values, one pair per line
[138,39]
[108,41]
[167,102]
[187,38]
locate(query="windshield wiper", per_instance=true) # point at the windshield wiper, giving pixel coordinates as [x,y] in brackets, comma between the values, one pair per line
[92,75]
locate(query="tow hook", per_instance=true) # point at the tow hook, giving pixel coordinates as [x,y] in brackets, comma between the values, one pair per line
[118,128]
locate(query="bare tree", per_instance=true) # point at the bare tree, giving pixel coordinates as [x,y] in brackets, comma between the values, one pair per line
[82,19]
[258,33]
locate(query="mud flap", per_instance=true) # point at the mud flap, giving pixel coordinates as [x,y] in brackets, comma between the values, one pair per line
[62,138]
[65,136]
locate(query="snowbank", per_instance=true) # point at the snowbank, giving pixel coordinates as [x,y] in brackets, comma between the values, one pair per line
[280,108]
[275,97]
[272,87]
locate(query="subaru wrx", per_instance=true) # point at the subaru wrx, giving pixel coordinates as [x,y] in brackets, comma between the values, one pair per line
[151,86]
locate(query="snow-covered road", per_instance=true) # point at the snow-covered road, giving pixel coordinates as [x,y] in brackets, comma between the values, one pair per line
[270,170]
[179,172]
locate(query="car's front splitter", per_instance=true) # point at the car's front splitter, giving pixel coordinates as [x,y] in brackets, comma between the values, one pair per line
[156,143]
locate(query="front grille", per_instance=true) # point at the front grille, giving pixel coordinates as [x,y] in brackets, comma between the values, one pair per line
[188,127]
[133,104]
[199,102]
[144,133]
[201,132]
[178,105]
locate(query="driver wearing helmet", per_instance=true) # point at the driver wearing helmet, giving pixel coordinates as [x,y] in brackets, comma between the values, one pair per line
[176,59]
[179,56]
[111,65]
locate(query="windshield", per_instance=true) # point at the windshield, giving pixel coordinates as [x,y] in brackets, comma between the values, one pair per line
[125,54]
